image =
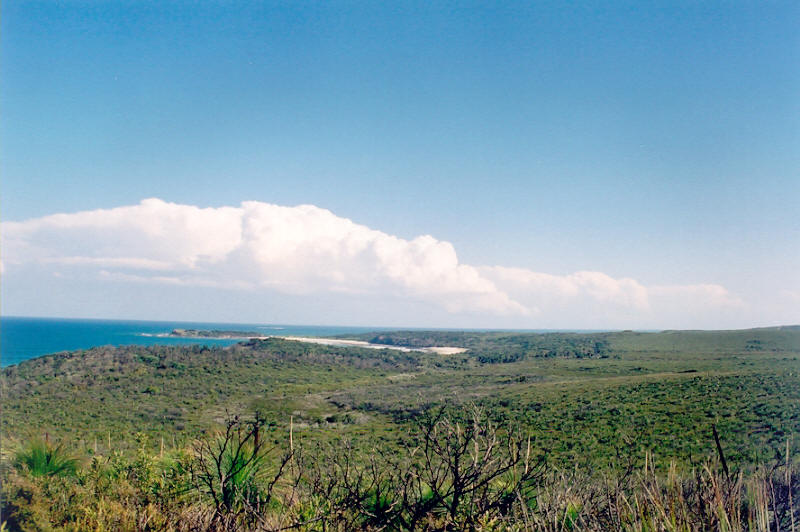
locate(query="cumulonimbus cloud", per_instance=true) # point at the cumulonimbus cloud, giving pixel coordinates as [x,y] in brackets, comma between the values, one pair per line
[304,250]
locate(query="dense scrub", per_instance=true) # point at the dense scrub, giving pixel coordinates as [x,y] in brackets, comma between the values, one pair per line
[457,470]
[500,347]
[619,439]
[493,347]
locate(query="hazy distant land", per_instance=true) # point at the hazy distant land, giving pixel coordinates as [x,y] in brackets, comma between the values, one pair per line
[214,333]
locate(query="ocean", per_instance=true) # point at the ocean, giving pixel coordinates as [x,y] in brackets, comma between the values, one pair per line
[26,338]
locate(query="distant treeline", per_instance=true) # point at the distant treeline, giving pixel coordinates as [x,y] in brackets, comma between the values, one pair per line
[503,347]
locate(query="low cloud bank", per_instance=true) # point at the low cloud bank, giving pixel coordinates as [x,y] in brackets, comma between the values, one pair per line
[306,250]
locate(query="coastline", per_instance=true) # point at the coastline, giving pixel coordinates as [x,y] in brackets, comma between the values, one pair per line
[367,345]
[335,342]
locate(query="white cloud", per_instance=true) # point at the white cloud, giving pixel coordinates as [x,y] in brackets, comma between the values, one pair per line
[309,250]
[303,249]
[547,290]
[610,302]
[707,295]
[791,295]
[151,235]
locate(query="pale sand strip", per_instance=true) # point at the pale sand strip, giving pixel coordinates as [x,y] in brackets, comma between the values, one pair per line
[360,343]
[321,341]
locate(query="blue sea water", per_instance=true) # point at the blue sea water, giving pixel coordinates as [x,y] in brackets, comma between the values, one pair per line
[25,338]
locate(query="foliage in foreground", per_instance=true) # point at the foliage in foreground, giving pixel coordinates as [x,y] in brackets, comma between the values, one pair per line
[349,443]
[40,458]
[457,471]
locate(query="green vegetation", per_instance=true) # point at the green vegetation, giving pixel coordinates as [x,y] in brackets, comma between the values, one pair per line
[680,430]
[499,347]
[39,458]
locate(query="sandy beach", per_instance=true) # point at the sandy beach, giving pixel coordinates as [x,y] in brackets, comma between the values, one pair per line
[360,343]
[322,341]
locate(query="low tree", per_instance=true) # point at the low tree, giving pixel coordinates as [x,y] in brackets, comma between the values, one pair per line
[237,470]
[466,469]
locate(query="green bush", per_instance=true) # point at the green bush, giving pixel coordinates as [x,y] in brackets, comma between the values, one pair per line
[40,459]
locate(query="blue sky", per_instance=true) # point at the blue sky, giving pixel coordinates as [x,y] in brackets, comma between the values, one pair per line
[651,141]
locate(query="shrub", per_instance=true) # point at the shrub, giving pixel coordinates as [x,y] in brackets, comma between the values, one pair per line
[40,459]
[230,468]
